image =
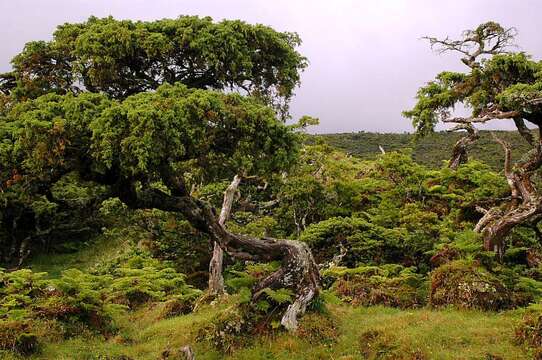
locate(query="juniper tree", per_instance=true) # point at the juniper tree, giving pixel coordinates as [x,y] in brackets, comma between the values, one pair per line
[96,101]
[141,148]
[498,85]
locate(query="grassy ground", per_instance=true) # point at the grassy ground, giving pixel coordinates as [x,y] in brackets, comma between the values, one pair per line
[363,333]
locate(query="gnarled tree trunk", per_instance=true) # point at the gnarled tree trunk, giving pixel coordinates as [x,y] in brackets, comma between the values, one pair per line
[216,279]
[298,271]
[460,149]
[526,203]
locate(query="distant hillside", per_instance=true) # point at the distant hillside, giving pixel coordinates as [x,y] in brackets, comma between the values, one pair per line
[431,150]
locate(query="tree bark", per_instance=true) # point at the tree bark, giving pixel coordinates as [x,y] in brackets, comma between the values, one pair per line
[524,131]
[460,150]
[525,205]
[216,279]
[298,271]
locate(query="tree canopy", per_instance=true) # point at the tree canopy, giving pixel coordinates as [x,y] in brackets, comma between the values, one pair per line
[144,138]
[500,85]
[123,57]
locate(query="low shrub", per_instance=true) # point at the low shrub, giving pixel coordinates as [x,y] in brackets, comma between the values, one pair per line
[79,302]
[376,344]
[250,316]
[467,285]
[318,329]
[389,285]
[529,331]
[230,330]
[174,307]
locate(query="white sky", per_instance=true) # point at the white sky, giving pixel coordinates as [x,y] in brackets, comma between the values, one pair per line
[366,57]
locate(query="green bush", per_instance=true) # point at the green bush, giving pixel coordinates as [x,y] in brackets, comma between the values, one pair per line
[467,285]
[389,285]
[82,302]
[364,241]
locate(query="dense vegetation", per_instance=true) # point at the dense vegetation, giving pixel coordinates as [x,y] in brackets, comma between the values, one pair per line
[431,150]
[122,195]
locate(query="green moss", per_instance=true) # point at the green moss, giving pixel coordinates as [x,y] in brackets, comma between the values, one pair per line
[390,285]
[468,285]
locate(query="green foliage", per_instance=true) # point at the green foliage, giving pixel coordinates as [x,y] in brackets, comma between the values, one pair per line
[122,57]
[365,241]
[255,225]
[169,237]
[136,135]
[247,277]
[389,285]
[431,150]
[403,212]
[468,285]
[79,301]
[190,125]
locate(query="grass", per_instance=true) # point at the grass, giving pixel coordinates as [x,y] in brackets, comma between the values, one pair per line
[373,333]
[363,333]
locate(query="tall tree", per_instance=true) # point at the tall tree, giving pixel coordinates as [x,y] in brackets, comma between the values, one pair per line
[499,85]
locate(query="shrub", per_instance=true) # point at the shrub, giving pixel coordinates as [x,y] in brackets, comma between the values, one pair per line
[174,307]
[230,330]
[364,241]
[318,329]
[250,315]
[80,302]
[376,344]
[467,285]
[16,336]
[390,285]
[529,331]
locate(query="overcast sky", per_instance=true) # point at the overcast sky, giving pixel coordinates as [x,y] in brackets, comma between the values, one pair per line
[366,57]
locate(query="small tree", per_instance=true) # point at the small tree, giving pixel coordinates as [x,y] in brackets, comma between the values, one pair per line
[500,85]
[143,146]
[98,101]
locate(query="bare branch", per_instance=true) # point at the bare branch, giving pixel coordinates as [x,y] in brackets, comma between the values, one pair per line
[491,115]
[507,156]
[488,39]
[216,280]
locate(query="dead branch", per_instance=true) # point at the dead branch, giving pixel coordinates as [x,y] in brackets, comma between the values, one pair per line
[216,279]
[488,39]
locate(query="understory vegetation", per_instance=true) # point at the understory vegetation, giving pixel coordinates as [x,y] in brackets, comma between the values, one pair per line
[386,232]
[155,204]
